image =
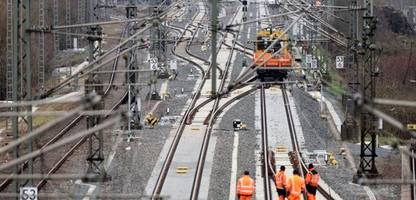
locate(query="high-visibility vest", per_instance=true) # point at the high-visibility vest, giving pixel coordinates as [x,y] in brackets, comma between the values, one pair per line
[312,179]
[245,186]
[294,185]
[280,179]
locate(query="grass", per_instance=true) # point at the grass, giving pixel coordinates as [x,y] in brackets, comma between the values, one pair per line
[41,120]
[38,121]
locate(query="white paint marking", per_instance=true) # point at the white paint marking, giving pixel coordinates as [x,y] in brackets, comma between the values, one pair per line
[113,152]
[164,87]
[257,125]
[233,181]
[91,189]
[370,193]
[248,33]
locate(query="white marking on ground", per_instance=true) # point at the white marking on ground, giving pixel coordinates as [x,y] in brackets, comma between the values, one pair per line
[209,163]
[370,193]
[248,33]
[164,87]
[233,180]
[113,151]
[91,189]
[257,125]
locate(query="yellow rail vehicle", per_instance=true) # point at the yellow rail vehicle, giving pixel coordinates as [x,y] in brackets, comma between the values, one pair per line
[271,66]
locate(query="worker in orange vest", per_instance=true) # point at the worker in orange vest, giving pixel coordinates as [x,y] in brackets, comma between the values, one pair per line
[280,179]
[311,180]
[295,185]
[245,187]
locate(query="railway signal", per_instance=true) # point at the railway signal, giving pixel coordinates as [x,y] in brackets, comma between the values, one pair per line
[340,62]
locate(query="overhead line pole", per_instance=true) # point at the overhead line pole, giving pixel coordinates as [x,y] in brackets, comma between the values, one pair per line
[349,128]
[214,30]
[16,56]
[27,56]
[55,23]
[369,72]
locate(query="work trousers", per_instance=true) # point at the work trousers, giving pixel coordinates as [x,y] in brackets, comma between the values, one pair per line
[281,193]
[311,192]
[244,197]
[311,196]
[293,197]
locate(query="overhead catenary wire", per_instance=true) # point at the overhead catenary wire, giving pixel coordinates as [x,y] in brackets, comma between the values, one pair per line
[23,158]
[394,102]
[263,18]
[44,128]
[52,113]
[320,20]
[85,72]
[66,81]
[309,25]
[112,22]
[10,104]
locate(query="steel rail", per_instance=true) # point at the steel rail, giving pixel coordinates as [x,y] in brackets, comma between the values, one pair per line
[265,145]
[189,44]
[115,21]
[195,109]
[207,136]
[61,161]
[295,143]
[178,134]
[67,81]
[65,130]
[87,69]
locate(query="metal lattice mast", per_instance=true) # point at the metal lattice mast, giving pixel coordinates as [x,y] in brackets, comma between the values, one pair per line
[12,72]
[349,129]
[132,64]
[95,156]
[68,22]
[41,43]
[158,51]
[10,49]
[353,64]
[81,15]
[369,73]
[56,23]
[26,43]
[214,24]
[19,71]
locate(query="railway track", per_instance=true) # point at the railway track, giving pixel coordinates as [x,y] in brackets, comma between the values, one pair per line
[211,119]
[267,171]
[280,156]
[295,143]
[64,131]
[187,120]
[77,119]
[178,134]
